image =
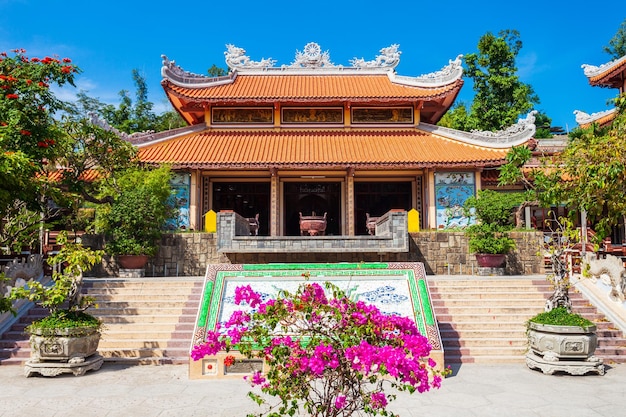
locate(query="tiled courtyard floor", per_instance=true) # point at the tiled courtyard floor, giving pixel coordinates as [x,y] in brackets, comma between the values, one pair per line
[164,391]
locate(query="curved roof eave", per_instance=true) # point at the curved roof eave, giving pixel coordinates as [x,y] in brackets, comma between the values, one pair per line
[514,135]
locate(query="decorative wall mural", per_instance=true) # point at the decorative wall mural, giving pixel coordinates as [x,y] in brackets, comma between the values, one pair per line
[451,191]
[181,184]
[382,115]
[242,115]
[312,115]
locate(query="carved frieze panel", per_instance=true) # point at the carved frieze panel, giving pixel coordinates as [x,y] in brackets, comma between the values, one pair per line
[312,115]
[229,115]
[382,115]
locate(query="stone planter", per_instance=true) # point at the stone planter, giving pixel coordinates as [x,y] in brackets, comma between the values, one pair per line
[490,260]
[66,350]
[132,261]
[563,348]
[71,345]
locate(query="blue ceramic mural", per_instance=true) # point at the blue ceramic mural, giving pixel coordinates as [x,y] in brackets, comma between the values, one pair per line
[451,191]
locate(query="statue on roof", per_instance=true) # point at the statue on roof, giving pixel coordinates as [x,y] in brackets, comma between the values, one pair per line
[312,57]
[236,58]
[522,124]
[389,57]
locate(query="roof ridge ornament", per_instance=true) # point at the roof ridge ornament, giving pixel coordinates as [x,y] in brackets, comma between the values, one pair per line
[236,58]
[512,130]
[312,57]
[514,135]
[96,120]
[592,70]
[584,118]
[389,58]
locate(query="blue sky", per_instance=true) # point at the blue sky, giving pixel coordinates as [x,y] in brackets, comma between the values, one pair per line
[109,39]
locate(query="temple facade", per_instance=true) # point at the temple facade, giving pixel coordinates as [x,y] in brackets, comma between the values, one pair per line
[313,138]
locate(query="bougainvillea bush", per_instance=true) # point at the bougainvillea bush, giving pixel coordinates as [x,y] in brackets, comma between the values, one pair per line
[326,355]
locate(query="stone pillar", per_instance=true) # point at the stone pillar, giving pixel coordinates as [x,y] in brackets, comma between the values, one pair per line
[350,202]
[274,208]
[195,221]
[431,200]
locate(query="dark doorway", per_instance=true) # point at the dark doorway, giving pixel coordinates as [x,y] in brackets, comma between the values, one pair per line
[245,199]
[377,198]
[309,197]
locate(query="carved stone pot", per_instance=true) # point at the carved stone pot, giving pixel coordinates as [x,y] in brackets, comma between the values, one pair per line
[68,350]
[562,342]
[567,349]
[68,345]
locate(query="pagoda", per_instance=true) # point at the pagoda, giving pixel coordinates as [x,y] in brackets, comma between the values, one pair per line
[275,142]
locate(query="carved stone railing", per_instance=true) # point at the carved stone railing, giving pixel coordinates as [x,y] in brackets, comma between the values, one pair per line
[391,237]
[19,271]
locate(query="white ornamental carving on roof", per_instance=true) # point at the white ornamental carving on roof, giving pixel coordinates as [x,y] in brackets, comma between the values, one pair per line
[584,118]
[389,57]
[514,135]
[592,70]
[312,57]
[236,58]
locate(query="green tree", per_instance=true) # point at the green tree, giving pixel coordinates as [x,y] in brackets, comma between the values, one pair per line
[136,217]
[216,71]
[501,98]
[590,173]
[52,159]
[30,137]
[544,126]
[456,118]
[129,116]
[617,45]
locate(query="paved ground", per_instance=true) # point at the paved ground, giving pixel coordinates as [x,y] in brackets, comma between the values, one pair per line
[163,391]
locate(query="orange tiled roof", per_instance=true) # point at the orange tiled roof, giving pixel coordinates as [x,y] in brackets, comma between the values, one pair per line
[246,88]
[88,175]
[333,148]
[607,75]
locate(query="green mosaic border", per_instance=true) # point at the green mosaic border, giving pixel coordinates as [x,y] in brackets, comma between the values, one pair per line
[346,265]
[423,314]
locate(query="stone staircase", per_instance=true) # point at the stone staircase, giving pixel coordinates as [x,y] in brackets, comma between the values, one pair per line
[482,319]
[146,321]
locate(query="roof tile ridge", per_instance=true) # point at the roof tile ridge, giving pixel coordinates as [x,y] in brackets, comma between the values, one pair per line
[592,70]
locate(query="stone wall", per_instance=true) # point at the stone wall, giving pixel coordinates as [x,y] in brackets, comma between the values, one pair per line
[188,254]
[441,253]
[448,253]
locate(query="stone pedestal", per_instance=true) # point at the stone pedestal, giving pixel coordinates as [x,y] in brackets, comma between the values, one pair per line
[51,368]
[487,271]
[131,273]
[572,367]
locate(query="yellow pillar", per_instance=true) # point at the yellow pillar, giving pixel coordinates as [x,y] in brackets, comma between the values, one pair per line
[413,218]
[210,222]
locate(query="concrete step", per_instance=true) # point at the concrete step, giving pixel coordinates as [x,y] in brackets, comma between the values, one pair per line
[146,321]
[483,320]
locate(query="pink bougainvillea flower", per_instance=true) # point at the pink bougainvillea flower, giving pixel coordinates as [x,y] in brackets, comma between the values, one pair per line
[340,402]
[378,400]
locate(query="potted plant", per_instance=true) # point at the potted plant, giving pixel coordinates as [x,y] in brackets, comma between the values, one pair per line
[134,222]
[558,339]
[488,238]
[490,243]
[66,340]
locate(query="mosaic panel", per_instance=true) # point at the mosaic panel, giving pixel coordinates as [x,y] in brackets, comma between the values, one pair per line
[451,191]
[394,288]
